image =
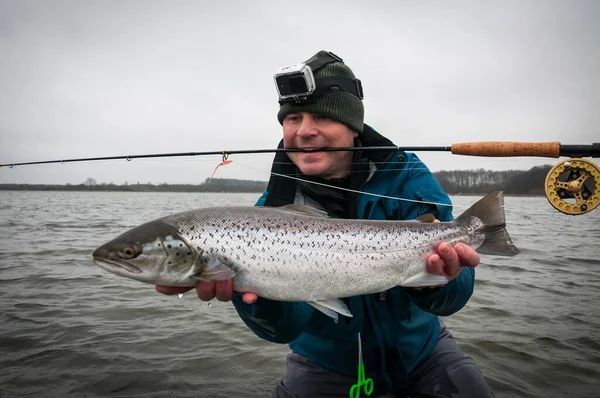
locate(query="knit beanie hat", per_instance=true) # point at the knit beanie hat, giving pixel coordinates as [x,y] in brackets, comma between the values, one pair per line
[336,104]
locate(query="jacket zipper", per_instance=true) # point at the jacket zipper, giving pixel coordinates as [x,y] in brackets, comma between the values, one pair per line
[354,206]
[408,305]
[368,208]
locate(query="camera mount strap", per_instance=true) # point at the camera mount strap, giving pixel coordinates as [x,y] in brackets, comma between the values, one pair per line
[323,60]
[324,84]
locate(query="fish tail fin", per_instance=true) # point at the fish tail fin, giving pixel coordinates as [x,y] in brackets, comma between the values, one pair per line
[490,210]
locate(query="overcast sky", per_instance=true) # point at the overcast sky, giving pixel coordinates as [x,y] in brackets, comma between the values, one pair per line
[102,78]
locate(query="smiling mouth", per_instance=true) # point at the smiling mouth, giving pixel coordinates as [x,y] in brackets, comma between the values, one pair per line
[114,266]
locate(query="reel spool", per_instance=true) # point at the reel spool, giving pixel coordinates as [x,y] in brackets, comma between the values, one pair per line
[573,186]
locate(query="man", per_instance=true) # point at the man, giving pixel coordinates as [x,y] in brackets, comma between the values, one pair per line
[407,351]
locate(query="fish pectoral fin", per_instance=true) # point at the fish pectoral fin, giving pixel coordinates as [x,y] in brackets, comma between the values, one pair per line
[332,308]
[306,210]
[423,279]
[215,271]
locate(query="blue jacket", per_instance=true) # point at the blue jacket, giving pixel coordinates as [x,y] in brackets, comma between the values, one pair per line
[400,327]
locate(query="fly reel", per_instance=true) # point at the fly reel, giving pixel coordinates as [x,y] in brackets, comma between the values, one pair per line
[573,186]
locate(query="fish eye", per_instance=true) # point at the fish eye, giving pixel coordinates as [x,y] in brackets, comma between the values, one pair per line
[128,252]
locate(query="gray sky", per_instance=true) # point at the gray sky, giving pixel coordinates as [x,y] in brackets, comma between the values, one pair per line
[102,78]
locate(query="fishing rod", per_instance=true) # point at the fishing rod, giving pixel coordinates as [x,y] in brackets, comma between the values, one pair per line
[572,186]
[491,148]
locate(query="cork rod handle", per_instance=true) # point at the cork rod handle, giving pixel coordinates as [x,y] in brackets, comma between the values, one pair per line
[502,149]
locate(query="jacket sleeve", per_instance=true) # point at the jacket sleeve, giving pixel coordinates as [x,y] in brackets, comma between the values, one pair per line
[447,300]
[275,321]
[420,184]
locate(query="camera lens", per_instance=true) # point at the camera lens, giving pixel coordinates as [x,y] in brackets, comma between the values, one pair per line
[298,85]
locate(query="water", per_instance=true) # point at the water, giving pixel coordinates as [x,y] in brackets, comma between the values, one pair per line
[70,329]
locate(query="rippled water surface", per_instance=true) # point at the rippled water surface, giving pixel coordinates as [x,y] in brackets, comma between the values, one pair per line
[70,329]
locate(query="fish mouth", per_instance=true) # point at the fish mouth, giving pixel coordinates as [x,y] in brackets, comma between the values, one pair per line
[113,266]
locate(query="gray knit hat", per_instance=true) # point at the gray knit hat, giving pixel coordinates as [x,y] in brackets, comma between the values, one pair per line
[335,104]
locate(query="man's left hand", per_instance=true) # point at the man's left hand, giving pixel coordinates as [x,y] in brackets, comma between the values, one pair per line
[450,260]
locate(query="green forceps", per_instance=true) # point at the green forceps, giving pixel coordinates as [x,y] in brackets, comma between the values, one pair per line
[367,384]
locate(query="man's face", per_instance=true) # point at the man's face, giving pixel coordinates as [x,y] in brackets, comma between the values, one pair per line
[308,130]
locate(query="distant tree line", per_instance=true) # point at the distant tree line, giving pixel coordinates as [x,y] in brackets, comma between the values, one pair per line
[512,182]
[90,184]
[454,182]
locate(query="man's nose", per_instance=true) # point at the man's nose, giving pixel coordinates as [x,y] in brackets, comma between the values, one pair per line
[308,127]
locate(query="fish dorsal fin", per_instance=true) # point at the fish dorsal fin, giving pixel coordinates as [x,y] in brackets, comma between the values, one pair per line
[304,209]
[428,217]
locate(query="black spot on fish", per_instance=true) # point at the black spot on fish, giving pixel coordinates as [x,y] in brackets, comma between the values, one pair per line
[192,228]
[169,246]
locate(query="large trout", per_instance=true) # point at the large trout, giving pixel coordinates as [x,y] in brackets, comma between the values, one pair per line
[297,253]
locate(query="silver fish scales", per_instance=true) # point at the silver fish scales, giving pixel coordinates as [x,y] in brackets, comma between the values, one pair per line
[297,253]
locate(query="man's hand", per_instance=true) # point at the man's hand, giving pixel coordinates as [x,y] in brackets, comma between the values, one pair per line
[449,261]
[222,290]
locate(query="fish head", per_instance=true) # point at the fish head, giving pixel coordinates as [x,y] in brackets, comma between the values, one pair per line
[153,252]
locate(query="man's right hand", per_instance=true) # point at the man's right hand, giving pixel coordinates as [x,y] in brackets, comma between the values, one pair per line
[222,290]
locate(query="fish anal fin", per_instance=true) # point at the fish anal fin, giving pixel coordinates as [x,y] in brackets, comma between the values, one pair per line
[423,279]
[332,308]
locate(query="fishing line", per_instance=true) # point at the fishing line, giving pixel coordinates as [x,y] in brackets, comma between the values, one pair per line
[528,212]
[360,192]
